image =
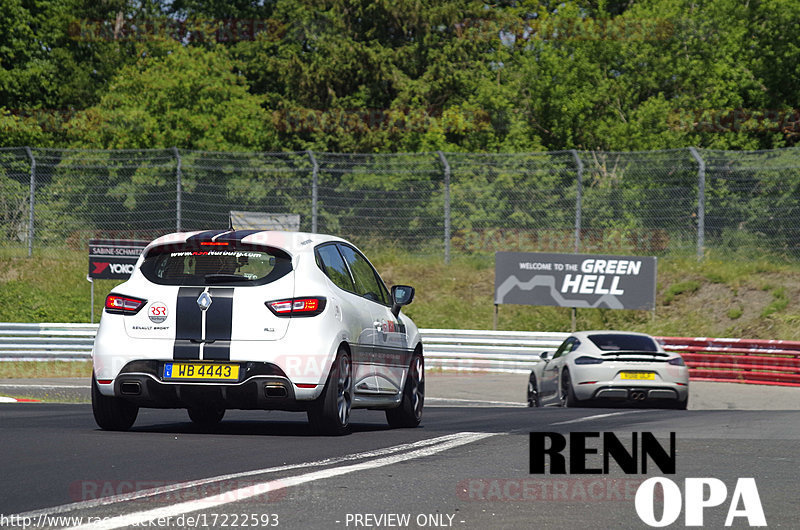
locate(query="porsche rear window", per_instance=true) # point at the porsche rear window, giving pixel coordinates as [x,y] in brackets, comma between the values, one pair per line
[240,265]
[613,342]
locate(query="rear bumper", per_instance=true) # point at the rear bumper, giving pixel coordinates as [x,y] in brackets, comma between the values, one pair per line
[262,386]
[303,355]
[661,392]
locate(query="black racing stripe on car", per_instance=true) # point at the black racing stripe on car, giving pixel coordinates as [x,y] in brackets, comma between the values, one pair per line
[219,323]
[371,354]
[392,356]
[186,350]
[188,324]
[360,353]
[217,351]
[219,316]
[205,236]
[237,235]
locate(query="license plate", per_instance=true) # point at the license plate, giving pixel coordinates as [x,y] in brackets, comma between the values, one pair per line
[648,376]
[201,371]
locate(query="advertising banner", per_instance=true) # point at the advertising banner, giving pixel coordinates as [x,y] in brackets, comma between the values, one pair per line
[575,280]
[113,259]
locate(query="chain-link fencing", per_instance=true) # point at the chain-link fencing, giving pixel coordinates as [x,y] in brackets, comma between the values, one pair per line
[652,202]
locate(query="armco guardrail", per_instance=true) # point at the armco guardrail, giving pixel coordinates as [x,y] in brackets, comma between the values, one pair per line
[487,351]
[38,342]
[765,362]
[762,362]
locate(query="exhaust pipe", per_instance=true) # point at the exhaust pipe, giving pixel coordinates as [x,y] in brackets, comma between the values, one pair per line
[130,388]
[638,395]
[275,390]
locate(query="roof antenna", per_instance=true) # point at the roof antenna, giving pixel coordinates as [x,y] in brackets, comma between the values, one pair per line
[230,223]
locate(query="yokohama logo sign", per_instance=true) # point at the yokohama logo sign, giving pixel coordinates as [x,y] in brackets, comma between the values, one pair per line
[113,259]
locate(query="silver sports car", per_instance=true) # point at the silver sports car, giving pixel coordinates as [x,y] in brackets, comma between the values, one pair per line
[609,366]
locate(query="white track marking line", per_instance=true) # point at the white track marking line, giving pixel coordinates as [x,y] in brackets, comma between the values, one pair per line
[4,399]
[163,490]
[254,490]
[458,400]
[598,416]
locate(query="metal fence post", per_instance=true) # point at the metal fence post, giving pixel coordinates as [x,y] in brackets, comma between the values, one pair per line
[314,189]
[701,202]
[446,166]
[31,200]
[579,199]
[178,189]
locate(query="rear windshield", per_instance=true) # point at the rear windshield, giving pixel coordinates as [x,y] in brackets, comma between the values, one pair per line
[623,342]
[194,264]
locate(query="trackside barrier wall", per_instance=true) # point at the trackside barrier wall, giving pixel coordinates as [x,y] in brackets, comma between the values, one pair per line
[752,361]
[46,342]
[762,362]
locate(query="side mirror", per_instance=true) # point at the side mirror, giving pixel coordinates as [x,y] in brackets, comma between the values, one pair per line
[544,355]
[401,295]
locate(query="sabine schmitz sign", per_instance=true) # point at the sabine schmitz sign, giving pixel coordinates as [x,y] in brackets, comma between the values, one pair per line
[575,280]
[113,259]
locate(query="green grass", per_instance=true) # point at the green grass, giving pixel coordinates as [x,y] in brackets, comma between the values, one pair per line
[33,369]
[718,296]
[49,287]
[779,303]
[735,312]
[680,288]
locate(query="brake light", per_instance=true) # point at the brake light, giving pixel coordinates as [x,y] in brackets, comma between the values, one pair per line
[123,305]
[297,307]
[213,243]
[588,360]
[677,361]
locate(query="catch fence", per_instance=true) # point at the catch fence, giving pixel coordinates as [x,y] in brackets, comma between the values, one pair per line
[649,203]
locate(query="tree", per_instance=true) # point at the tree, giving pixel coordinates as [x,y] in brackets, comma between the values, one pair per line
[183,96]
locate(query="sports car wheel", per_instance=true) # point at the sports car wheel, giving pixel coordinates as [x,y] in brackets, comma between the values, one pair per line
[330,414]
[207,416]
[409,413]
[568,398]
[112,413]
[533,393]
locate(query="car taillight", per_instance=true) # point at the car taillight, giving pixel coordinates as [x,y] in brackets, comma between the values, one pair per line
[297,307]
[123,305]
[588,360]
[677,361]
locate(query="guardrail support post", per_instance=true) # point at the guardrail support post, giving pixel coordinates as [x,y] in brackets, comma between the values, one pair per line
[178,189]
[701,202]
[31,200]
[446,166]
[314,189]
[578,198]
[578,211]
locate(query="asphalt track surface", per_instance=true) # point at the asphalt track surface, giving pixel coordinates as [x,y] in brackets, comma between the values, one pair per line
[467,466]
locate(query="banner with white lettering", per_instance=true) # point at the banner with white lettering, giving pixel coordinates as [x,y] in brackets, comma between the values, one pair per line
[575,280]
[113,259]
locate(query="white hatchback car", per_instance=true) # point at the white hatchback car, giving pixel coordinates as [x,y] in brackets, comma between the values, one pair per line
[610,366]
[246,319]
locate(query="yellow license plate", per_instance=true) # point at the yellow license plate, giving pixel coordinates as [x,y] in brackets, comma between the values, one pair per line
[638,376]
[201,371]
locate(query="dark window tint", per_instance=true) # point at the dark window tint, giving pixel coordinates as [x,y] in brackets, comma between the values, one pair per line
[239,265]
[623,342]
[332,264]
[567,346]
[367,283]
